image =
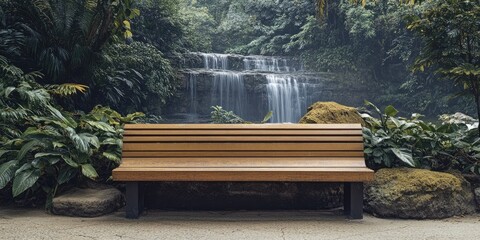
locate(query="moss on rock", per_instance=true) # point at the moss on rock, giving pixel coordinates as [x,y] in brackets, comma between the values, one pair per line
[331,112]
[418,193]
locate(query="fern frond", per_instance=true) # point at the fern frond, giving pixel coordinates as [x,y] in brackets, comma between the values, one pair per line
[13,115]
[67,89]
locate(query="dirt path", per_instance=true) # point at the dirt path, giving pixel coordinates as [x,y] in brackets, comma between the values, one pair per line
[36,224]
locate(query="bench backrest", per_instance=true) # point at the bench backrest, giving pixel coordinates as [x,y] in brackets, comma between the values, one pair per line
[210,145]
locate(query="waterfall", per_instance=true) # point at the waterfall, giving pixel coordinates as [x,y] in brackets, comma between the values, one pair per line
[229,91]
[267,64]
[215,61]
[192,89]
[285,98]
[250,86]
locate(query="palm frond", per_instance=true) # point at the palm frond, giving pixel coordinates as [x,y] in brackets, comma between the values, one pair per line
[67,89]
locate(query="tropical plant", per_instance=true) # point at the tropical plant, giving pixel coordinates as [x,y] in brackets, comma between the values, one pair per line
[43,147]
[387,140]
[62,37]
[392,141]
[451,35]
[130,75]
[220,115]
[162,25]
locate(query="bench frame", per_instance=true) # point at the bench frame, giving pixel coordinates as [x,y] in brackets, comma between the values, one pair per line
[251,152]
[352,199]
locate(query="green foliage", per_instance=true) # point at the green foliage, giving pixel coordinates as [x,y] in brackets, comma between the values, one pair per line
[43,147]
[220,115]
[62,37]
[161,24]
[451,35]
[130,74]
[77,46]
[392,141]
[199,27]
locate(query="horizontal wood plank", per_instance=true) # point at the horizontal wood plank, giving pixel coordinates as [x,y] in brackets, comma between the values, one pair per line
[128,139]
[244,174]
[244,132]
[242,126]
[242,162]
[241,146]
[358,153]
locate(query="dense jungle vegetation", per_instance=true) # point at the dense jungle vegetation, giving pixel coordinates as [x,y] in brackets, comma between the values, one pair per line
[74,71]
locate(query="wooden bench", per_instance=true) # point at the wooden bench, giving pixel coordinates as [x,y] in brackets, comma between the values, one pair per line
[243,152]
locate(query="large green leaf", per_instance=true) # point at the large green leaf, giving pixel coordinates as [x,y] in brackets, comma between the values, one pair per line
[89,171]
[7,171]
[68,160]
[64,119]
[368,103]
[111,141]
[66,175]
[267,117]
[3,152]
[24,180]
[391,111]
[101,126]
[405,155]
[27,147]
[90,138]
[396,122]
[79,143]
[112,156]
[46,154]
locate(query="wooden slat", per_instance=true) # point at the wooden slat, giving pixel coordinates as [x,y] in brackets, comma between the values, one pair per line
[128,139]
[244,174]
[242,126]
[242,162]
[243,152]
[247,132]
[358,153]
[262,146]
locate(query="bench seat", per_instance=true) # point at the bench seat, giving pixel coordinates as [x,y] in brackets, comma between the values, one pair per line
[243,152]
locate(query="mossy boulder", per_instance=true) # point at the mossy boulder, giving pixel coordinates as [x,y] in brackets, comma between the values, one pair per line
[418,194]
[331,112]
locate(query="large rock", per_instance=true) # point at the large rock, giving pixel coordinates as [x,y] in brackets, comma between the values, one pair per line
[418,193]
[88,202]
[331,112]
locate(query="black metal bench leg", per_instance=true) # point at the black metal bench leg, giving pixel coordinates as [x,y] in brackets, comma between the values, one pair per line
[134,199]
[353,200]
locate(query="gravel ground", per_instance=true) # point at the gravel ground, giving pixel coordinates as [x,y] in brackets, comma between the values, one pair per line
[36,224]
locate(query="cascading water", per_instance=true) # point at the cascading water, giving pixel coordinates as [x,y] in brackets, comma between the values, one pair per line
[229,91]
[250,86]
[286,98]
[267,64]
[215,61]
[192,89]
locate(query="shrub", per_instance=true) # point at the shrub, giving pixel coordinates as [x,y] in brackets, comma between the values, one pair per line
[392,141]
[44,148]
[220,115]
